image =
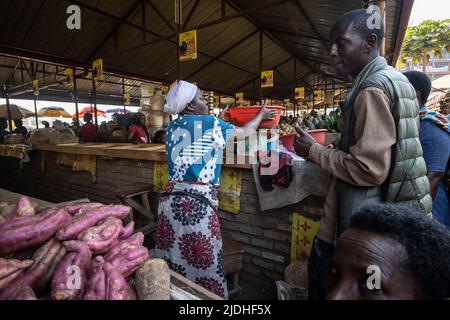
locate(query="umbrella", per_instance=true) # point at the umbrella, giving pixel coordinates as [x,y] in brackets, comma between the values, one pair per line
[16,112]
[89,110]
[119,110]
[53,112]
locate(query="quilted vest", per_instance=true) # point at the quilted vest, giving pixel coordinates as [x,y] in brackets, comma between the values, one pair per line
[407,182]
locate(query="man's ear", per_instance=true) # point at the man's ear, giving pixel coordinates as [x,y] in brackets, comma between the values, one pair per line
[419,96]
[371,42]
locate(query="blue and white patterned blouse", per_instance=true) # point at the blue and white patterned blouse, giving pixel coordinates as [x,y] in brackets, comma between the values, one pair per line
[195,145]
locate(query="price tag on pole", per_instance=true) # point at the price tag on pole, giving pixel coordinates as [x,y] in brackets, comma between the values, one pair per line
[70,78]
[36,87]
[127,99]
[97,70]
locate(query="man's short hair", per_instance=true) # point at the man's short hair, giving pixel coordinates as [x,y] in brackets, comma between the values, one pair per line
[3,120]
[421,83]
[361,20]
[426,241]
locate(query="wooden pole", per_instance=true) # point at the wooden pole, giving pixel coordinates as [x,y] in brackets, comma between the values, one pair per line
[94,98]
[75,94]
[260,66]
[8,108]
[36,112]
[123,91]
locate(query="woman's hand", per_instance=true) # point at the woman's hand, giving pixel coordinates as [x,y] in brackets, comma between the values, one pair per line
[224,115]
[267,114]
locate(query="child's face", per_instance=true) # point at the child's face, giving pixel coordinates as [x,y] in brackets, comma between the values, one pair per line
[163,138]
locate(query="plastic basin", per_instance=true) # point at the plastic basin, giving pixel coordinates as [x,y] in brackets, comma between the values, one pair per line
[240,116]
[318,135]
[288,141]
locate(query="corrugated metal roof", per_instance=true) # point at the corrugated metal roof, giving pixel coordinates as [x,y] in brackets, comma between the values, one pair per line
[228,58]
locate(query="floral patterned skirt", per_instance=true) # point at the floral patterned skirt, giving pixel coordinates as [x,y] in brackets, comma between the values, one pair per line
[188,234]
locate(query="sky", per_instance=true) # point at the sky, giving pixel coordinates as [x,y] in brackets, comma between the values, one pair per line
[429,9]
[422,10]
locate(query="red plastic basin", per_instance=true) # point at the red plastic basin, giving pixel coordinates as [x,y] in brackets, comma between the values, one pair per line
[288,141]
[240,116]
[318,135]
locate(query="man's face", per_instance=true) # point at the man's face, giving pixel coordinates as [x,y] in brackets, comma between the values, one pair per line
[355,251]
[348,51]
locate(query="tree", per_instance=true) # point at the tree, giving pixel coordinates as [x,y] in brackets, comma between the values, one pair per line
[428,37]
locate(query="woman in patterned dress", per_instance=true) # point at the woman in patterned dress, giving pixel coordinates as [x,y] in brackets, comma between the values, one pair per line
[188,233]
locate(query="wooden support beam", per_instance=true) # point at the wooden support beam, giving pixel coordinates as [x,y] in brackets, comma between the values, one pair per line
[190,14]
[162,17]
[311,24]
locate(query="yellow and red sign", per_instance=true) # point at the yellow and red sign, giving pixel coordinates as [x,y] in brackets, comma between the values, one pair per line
[188,45]
[267,79]
[300,93]
[239,98]
[97,70]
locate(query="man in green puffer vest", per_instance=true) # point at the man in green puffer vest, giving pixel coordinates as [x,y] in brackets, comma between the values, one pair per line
[379,158]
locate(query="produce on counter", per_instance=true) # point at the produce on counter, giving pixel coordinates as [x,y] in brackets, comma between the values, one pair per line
[285,129]
[107,283]
[11,269]
[43,259]
[90,219]
[102,238]
[76,262]
[153,280]
[106,253]
[24,294]
[29,231]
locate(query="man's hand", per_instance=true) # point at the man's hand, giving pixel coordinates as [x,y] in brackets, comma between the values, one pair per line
[268,114]
[303,142]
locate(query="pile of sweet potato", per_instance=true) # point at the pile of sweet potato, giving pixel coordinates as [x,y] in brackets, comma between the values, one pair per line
[80,252]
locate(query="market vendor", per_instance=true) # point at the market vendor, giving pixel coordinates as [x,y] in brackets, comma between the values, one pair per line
[46,124]
[160,137]
[138,132]
[3,129]
[188,233]
[20,129]
[88,132]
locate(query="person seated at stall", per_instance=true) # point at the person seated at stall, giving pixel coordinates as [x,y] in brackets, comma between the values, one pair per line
[160,137]
[188,206]
[45,124]
[3,129]
[20,129]
[138,133]
[391,252]
[88,132]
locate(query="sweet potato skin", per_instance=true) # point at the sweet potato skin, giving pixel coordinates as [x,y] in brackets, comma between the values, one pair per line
[30,231]
[127,231]
[25,294]
[90,219]
[102,237]
[136,239]
[129,260]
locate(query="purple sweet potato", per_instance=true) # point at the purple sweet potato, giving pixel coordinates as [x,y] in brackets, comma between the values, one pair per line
[24,294]
[46,278]
[96,287]
[23,208]
[43,259]
[116,286]
[136,239]
[81,208]
[11,270]
[70,277]
[127,231]
[31,231]
[129,260]
[2,220]
[102,238]
[90,219]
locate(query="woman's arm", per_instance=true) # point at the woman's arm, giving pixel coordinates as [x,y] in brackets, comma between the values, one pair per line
[250,127]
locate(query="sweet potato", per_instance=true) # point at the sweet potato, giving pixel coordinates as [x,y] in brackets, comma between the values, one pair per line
[129,260]
[96,263]
[90,219]
[136,239]
[24,294]
[23,208]
[81,208]
[78,260]
[46,278]
[103,237]
[31,230]
[10,270]
[127,231]
[96,287]
[107,284]
[2,220]
[116,286]
[42,261]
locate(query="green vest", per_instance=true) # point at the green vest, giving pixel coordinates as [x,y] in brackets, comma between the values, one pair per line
[407,182]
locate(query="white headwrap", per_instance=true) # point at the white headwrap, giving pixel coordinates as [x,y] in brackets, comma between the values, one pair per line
[179,96]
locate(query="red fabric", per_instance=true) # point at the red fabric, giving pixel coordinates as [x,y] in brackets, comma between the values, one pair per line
[139,134]
[88,132]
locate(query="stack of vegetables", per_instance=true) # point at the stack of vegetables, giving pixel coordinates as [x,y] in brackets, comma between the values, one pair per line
[314,121]
[80,252]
